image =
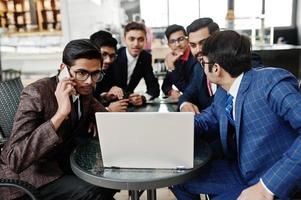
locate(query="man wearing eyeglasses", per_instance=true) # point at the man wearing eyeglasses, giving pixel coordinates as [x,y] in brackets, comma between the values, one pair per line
[199,94]
[105,42]
[133,64]
[257,113]
[54,116]
[180,63]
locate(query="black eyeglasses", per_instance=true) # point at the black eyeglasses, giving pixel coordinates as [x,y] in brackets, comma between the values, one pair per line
[82,75]
[105,55]
[178,40]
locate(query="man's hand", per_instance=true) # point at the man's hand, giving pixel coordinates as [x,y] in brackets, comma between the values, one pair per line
[92,129]
[136,99]
[62,93]
[119,106]
[257,192]
[116,91]
[189,107]
[171,58]
[175,94]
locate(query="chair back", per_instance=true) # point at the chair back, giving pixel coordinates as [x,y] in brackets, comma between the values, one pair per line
[10,91]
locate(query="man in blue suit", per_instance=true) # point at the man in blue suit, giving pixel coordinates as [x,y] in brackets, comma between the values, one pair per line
[257,113]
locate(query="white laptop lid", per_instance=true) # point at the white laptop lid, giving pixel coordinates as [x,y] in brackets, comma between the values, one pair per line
[146,139]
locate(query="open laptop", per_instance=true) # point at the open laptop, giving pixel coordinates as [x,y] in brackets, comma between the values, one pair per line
[146,139]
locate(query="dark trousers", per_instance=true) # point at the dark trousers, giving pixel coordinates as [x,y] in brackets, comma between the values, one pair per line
[219,178]
[70,187]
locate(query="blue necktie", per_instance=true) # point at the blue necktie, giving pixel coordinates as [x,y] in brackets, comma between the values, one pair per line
[229,108]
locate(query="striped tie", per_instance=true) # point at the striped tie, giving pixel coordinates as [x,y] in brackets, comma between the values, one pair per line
[229,108]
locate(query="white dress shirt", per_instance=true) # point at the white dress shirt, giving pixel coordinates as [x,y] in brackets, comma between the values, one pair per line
[132,61]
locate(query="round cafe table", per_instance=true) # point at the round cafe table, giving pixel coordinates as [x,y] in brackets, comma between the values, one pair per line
[86,163]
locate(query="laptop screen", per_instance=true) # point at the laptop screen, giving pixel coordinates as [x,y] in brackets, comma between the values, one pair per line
[146,139]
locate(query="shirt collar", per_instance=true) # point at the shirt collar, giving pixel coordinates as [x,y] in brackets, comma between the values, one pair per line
[186,54]
[235,86]
[130,57]
[75,97]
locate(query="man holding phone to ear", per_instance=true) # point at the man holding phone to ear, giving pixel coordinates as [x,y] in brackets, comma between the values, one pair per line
[52,119]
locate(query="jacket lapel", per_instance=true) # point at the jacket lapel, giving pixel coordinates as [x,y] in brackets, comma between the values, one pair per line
[224,129]
[244,85]
[123,68]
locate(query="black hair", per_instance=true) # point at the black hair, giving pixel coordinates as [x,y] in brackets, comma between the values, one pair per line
[103,38]
[202,23]
[134,26]
[230,50]
[174,28]
[81,48]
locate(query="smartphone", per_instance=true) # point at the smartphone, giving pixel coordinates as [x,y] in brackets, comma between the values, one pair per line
[64,73]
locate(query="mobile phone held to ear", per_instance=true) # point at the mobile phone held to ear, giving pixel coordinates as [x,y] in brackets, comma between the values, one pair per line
[64,73]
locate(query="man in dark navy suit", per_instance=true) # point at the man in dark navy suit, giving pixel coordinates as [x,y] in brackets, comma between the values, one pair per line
[198,95]
[180,63]
[131,65]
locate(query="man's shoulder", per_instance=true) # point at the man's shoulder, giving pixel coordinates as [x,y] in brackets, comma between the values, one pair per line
[42,85]
[271,73]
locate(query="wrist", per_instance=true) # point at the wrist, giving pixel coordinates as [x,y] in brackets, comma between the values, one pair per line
[57,120]
[108,109]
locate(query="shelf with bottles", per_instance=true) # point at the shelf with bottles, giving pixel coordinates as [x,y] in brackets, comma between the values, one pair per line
[18,16]
[49,15]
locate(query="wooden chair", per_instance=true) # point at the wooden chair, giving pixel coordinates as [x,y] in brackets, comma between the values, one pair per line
[10,91]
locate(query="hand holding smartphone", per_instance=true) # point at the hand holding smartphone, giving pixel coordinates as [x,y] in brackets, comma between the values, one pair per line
[64,74]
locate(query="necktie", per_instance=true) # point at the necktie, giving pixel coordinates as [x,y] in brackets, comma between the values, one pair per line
[77,108]
[229,108]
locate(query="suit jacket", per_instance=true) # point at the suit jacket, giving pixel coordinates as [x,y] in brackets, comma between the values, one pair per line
[143,69]
[197,92]
[35,152]
[267,125]
[181,76]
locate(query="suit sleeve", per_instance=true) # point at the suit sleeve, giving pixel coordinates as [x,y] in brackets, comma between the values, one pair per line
[285,100]
[30,138]
[152,85]
[167,83]
[206,122]
[191,93]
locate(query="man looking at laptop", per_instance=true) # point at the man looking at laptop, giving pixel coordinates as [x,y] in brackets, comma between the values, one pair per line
[131,65]
[257,113]
[199,94]
[105,42]
[180,63]
[52,119]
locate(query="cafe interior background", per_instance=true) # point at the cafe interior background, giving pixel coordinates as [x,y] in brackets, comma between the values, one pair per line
[33,32]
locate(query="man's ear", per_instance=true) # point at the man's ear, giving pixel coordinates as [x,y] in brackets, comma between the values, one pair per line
[216,68]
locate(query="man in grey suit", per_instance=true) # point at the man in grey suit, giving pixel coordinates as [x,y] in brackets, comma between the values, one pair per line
[53,117]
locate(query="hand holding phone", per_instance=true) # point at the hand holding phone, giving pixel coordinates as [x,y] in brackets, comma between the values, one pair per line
[64,73]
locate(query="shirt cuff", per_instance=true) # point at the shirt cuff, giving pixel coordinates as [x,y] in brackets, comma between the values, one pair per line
[265,187]
[147,96]
[183,104]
